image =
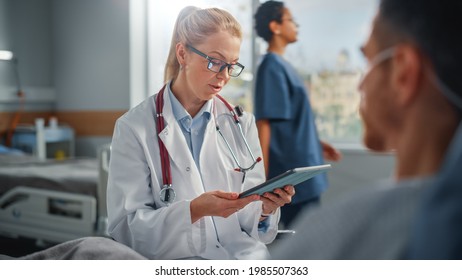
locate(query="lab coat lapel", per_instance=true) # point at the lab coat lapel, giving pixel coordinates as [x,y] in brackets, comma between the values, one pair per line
[213,169]
[218,174]
[175,142]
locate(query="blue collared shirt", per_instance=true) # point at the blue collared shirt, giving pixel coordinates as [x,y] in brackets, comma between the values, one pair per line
[193,128]
[264,225]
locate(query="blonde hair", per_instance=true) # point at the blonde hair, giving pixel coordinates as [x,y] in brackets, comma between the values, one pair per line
[192,27]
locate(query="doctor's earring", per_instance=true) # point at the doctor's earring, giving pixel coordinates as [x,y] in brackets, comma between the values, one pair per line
[181,67]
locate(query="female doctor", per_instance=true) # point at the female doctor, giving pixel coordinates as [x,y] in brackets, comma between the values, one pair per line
[180,158]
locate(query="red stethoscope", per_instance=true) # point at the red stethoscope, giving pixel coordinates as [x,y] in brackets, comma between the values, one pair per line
[167,193]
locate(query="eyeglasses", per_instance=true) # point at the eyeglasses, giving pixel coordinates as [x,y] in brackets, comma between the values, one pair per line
[217,65]
[388,53]
[377,60]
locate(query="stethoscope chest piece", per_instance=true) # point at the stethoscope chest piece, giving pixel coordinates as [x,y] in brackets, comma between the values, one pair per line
[167,195]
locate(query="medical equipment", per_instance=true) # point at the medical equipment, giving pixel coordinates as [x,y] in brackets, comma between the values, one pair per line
[167,193]
[45,215]
[53,141]
[53,201]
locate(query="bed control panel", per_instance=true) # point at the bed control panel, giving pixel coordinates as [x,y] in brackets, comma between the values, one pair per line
[46,214]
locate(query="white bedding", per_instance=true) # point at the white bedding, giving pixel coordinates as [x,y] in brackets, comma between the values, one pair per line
[71,175]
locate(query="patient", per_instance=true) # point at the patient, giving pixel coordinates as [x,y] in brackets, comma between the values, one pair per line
[411,103]
[438,230]
[87,248]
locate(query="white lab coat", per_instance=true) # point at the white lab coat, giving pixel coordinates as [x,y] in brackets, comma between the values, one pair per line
[140,220]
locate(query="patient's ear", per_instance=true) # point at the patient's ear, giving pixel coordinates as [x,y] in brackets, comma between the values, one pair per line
[407,73]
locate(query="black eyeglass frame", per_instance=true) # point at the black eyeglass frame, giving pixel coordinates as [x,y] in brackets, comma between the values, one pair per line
[225,64]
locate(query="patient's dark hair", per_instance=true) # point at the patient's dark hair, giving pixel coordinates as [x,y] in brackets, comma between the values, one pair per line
[435,27]
[266,13]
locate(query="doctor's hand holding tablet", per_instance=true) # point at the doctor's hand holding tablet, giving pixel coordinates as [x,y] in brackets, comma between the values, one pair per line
[223,204]
[275,196]
[274,193]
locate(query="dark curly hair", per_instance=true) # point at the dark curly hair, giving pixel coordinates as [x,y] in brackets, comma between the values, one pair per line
[266,13]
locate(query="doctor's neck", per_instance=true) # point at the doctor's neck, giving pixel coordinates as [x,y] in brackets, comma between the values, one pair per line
[191,103]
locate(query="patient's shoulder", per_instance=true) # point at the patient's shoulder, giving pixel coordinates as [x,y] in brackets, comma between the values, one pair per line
[372,223]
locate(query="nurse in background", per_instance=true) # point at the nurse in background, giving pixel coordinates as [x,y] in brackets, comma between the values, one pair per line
[285,122]
[206,219]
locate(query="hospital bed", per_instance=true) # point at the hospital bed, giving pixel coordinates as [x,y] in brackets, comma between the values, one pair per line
[53,201]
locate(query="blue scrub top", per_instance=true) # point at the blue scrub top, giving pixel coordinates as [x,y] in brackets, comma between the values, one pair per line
[282,98]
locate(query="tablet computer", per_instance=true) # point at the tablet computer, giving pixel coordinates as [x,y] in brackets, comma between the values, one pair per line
[290,177]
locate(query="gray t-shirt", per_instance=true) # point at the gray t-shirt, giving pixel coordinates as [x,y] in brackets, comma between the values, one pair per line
[373,223]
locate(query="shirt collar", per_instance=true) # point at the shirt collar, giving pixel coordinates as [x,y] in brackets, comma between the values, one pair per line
[180,112]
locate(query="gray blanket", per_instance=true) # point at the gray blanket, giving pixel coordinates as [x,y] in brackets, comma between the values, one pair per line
[87,248]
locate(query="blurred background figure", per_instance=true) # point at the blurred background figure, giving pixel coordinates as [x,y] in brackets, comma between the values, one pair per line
[285,121]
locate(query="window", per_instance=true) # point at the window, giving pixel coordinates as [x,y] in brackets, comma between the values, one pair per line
[327,57]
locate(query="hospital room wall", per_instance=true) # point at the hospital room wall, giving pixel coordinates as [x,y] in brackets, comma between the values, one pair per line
[92,69]
[3,23]
[25,29]
[73,63]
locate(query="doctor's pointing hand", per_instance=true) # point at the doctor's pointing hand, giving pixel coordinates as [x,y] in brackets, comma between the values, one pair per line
[180,159]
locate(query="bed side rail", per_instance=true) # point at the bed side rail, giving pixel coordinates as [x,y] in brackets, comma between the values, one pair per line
[53,216]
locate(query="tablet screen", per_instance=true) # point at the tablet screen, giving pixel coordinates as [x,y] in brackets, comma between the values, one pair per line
[290,177]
